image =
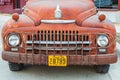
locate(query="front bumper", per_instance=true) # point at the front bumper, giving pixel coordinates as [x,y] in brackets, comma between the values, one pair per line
[40,59]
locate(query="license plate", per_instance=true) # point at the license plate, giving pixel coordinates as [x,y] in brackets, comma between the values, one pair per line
[57,60]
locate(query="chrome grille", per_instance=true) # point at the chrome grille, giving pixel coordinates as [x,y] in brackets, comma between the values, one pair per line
[58,42]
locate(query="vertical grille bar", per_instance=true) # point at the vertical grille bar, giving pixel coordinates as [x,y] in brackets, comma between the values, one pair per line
[61,42]
[76,41]
[82,48]
[54,40]
[90,37]
[96,47]
[68,42]
[43,36]
[57,35]
[25,34]
[65,34]
[68,51]
[19,52]
[47,42]
[32,48]
[39,33]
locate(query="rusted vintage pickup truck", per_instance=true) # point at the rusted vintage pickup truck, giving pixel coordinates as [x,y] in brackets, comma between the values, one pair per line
[59,33]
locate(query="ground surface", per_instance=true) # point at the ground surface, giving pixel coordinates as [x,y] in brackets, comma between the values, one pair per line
[57,73]
[118,38]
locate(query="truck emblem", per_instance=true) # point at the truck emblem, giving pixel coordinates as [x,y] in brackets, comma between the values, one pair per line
[58,13]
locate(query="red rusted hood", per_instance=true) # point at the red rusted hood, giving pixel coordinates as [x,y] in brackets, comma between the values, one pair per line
[45,9]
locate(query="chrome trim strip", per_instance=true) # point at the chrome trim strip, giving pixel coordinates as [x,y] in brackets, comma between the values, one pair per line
[59,42]
[58,49]
[58,21]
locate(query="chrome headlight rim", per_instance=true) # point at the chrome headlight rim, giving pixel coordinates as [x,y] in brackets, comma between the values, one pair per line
[102,40]
[13,34]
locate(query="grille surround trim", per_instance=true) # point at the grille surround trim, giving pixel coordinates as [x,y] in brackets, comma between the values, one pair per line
[70,42]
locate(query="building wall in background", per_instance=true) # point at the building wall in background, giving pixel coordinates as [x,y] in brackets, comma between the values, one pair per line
[8,6]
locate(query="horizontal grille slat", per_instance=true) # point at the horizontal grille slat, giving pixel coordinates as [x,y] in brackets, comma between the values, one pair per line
[58,42]
[56,49]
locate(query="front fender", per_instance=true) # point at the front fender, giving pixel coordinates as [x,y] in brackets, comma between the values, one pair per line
[94,22]
[24,21]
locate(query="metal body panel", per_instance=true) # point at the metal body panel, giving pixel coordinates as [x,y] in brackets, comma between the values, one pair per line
[37,59]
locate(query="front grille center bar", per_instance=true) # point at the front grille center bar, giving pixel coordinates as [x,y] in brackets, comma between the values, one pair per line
[59,42]
[58,49]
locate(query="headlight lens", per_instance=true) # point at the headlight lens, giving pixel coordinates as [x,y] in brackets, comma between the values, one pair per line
[13,40]
[102,40]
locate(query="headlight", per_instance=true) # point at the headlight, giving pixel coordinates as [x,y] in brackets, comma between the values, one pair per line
[102,40]
[13,40]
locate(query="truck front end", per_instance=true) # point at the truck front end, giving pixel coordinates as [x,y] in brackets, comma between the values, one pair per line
[59,34]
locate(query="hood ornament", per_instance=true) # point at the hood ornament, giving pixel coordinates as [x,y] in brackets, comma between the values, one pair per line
[58,12]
